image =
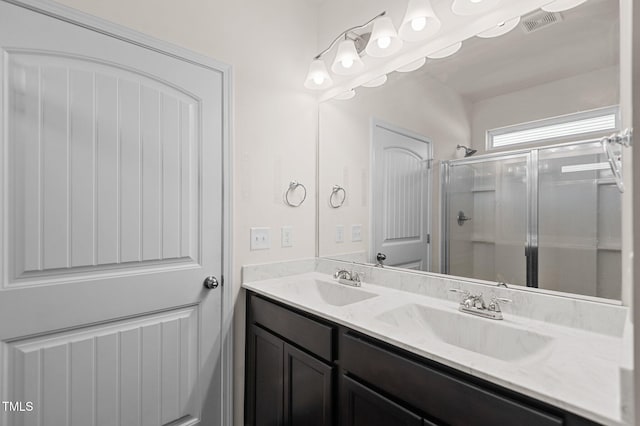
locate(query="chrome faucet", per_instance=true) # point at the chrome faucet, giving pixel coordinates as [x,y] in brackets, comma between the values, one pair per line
[351,278]
[474,304]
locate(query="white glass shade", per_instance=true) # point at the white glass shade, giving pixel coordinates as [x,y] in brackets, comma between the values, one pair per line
[473,7]
[501,29]
[376,82]
[447,51]
[560,5]
[349,94]
[420,21]
[413,65]
[347,60]
[318,76]
[384,39]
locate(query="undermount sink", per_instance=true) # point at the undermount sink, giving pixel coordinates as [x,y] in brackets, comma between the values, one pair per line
[492,338]
[314,291]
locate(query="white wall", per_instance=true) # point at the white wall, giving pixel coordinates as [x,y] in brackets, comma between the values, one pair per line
[269,45]
[582,92]
[424,106]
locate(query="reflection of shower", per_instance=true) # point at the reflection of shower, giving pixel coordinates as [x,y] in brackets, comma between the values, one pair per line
[468,152]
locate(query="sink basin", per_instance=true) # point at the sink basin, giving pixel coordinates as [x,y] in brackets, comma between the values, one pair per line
[314,291]
[492,338]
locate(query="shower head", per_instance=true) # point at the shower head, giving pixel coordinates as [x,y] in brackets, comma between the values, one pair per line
[468,152]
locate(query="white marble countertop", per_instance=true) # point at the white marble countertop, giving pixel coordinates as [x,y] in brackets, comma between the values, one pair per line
[577,370]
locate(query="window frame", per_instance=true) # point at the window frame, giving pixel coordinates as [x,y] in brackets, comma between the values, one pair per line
[552,121]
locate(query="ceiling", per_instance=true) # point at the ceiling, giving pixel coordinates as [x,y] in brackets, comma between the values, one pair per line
[586,40]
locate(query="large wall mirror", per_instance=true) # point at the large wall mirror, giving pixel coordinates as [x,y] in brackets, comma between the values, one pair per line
[486,164]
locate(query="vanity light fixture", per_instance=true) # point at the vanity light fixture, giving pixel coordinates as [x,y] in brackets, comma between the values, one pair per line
[500,29]
[384,39]
[420,21]
[447,51]
[318,77]
[473,7]
[412,66]
[562,5]
[347,59]
[376,82]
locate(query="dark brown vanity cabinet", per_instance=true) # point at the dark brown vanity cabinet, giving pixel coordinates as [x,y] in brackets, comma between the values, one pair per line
[361,406]
[287,384]
[302,370]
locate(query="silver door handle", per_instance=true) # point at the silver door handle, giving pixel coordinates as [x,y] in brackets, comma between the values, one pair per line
[211,282]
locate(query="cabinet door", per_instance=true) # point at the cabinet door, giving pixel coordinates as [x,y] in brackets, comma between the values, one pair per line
[307,389]
[265,372]
[363,407]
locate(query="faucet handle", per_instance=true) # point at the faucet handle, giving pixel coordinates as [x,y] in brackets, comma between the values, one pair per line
[465,294]
[495,306]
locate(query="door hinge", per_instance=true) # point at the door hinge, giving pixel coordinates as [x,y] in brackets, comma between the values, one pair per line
[221,280]
[428,238]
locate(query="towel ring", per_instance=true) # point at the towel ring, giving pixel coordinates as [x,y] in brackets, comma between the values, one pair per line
[334,193]
[293,185]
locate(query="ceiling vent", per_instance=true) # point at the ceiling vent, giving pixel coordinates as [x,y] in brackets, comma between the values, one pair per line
[538,20]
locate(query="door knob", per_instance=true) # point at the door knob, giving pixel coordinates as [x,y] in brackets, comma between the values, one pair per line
[211,282]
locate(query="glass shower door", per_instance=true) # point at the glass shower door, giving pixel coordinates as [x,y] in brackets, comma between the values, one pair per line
[579,248]
[487,218]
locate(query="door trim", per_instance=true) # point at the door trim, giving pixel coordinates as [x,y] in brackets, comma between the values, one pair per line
[128,35]
[376,122]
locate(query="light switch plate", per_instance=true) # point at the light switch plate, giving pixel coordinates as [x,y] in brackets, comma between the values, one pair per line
[286,233]
[356,233]
[260,238]
[340,234]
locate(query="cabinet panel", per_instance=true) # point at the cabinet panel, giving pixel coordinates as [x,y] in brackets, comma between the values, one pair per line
[307,389]
[363,407]
[305,332]
[265,384]
[435,392]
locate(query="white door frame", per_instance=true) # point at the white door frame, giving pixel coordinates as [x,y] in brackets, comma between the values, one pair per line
[111,29]
[376,122]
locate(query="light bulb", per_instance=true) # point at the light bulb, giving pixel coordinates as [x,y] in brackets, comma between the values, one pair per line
[418,24]
[384,42]
[318,79]
[347,62]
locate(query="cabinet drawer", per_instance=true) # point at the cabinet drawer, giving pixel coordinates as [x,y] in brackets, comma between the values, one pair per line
[305,332]
[438,394]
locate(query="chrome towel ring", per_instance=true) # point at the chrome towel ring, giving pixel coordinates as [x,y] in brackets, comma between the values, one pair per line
[293,185]
[334,199]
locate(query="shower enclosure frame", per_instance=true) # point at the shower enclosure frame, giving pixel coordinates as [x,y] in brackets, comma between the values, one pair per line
[532,188]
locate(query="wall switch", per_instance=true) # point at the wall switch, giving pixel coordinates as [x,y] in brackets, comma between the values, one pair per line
[340,234]
[356,233]
[260,238]
[286,233]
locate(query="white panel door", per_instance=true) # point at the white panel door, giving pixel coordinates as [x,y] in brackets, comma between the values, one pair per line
[400,204]
[111,187]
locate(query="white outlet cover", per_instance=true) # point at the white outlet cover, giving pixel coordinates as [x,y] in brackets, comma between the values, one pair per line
[260,238]
[340,234]
[286,234]
[356,233]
